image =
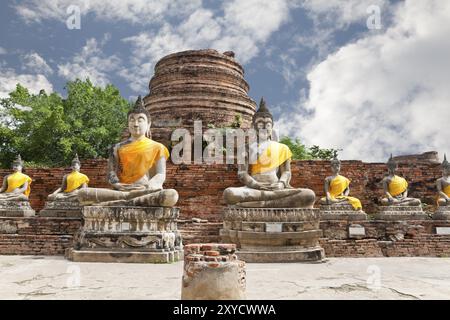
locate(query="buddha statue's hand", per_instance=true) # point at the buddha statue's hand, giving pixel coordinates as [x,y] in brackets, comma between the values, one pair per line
[276,186]
[126,187]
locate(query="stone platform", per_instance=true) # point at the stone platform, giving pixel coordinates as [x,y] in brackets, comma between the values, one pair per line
[128,234]
[401,213]
[341,212]
[63,209]
[442,213]
[273,234]
[16,209]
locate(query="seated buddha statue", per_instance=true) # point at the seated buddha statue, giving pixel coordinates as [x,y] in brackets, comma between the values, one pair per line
[16,186]
[136,169]
[71,184]
[396,188]
[267,180]
[337,188]
[443,185]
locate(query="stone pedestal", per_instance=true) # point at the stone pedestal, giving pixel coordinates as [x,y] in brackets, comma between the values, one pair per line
[400,213]
[212,272]
[128,234]
[16,209]
[273,234]
[64,209]
[341,212]
[442,213]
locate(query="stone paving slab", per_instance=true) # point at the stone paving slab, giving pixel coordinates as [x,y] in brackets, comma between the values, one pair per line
[35,277]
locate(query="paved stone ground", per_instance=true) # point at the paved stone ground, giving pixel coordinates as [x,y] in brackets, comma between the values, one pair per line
[31,277]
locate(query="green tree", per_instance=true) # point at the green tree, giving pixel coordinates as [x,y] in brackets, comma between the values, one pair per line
[47,130]
[301,152]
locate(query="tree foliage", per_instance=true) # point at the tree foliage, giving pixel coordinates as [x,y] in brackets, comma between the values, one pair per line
[48,130]
[301,152]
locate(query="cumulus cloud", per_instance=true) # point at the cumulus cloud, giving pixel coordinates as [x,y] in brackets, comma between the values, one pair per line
[33,62]
[386,92]
[90,63]
[241,26]
[133,11]
[33,82]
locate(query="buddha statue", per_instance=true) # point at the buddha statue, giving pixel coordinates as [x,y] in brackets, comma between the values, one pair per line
[71,184]
[443,185]
[267,183]
[337,188]
[16,186]
[396,188]
[136,169]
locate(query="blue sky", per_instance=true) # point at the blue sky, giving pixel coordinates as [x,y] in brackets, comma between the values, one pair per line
[328,78]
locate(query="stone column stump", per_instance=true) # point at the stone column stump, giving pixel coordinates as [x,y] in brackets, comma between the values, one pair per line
[212,272]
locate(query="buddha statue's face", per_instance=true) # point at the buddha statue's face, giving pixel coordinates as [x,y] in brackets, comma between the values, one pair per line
[138,124]
[76,166]
[335,167]
[392,168]
[264,128]
[17,167]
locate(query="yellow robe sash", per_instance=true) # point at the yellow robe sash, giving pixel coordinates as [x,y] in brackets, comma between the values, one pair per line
[397,186]
[18,179]
[74,180]
[272,157]
[338,186]
[447,190]
[138,157]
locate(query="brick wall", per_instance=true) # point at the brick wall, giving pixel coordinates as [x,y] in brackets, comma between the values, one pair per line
[37,236]
[201,186]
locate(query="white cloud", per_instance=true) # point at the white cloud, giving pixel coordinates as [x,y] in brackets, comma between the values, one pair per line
[90,63]
[133,11]
[384,93]
[33,82]
[33,62]
[242,27]
[3,50]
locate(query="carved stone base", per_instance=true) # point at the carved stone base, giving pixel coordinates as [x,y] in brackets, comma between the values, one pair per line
[66,209]
[16,209]
[341,212]
[128,234]
[274,235]
[400,213]
[442,213]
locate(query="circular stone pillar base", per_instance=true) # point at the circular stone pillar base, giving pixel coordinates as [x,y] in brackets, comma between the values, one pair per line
[212,272]
[274,234]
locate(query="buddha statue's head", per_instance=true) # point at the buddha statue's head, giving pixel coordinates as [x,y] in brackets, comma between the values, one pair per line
[76,164]
[17,165]
[392,165]
[335,165]
[263,122]
[445,166]
[139,120]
